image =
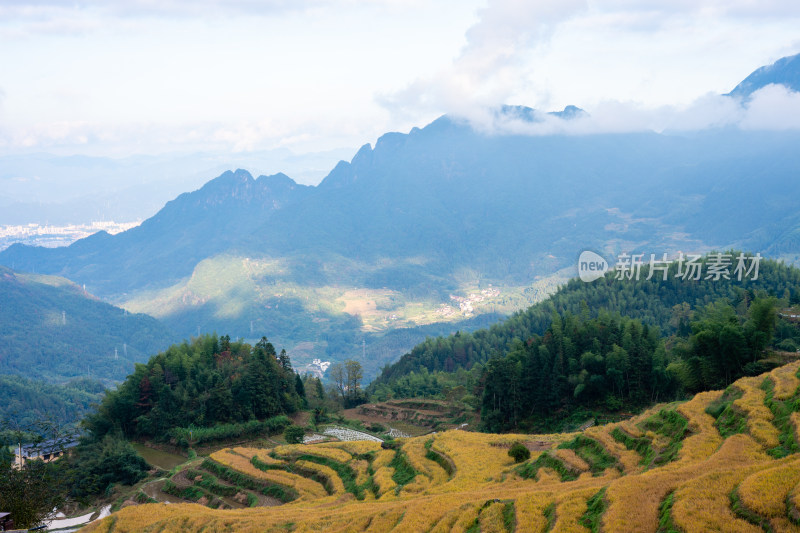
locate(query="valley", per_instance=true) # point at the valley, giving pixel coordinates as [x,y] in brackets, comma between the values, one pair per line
[330,322]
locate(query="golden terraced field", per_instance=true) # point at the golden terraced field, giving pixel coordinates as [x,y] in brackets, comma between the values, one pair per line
[724,461]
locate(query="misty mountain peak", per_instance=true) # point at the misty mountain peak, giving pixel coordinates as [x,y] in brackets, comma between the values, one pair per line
[279,180]
[785,71]
[570,112]
[519,112]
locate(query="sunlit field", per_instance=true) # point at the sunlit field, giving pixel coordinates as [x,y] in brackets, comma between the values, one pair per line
[724,461]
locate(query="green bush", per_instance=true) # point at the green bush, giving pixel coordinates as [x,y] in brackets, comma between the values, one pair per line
[220,432]
[377,428]
[94,465]
[787,345]
[404,473]
[294,434]
[519,452]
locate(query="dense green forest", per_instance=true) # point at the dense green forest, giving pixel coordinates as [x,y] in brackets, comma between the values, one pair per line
[577,362]
[666,305]
[210,382]
[612,362]
[24,401]
[51,330]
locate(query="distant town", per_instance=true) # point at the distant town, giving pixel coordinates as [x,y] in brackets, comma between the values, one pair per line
[53,236]
[466,305]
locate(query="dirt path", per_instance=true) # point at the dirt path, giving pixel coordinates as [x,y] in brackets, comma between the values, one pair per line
[153,490]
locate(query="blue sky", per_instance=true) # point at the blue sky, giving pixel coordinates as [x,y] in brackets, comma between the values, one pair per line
[147,77]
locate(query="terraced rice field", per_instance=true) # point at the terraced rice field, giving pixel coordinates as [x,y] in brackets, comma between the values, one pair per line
[723,461]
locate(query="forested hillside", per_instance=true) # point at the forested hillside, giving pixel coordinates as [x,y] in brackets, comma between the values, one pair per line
[612,363]
[665,305]
[24,402]
[209,382]
[50,329]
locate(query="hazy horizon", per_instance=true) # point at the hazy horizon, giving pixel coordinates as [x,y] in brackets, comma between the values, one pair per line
[167,96]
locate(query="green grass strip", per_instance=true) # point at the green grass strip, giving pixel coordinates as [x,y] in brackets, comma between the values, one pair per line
[550,514]
[439,459]
[509,517]
[190,493]
[595,507]
[280,492]
[665,522]
[743,512]
[211,484]
[729,421]
[672,425]
[347,475]
[641,445]
[781,412]
[313,475]
[591,451]
[529,469]
[404,473]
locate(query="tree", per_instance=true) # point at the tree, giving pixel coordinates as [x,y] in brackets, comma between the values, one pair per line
[225,343]
[294,434]
[346,378]
[32,492]
[98,464]
[300,388]
[339,378]
[284,361]
[354,376]
[320,390]
[760,327]
[519,452]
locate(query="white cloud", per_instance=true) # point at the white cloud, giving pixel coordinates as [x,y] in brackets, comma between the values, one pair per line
[487,70]
[255,77]
[773,107]
[240,75]
[587,52]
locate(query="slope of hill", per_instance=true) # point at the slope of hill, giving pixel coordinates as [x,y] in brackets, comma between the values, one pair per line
[335,319]
[724,461]
[210,381]
[50,329]
[25,402]
[667,305]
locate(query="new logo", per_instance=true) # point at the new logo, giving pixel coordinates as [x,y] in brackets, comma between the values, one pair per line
[591,266]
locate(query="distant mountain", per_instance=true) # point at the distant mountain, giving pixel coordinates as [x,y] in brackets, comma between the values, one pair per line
[51,330]
[785,71]
[393,238]
[456,198]
[167,246]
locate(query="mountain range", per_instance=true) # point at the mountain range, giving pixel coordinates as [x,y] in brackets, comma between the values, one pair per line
[410,229]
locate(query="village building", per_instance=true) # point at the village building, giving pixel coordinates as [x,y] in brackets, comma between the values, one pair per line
[6,523]
[48,450]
